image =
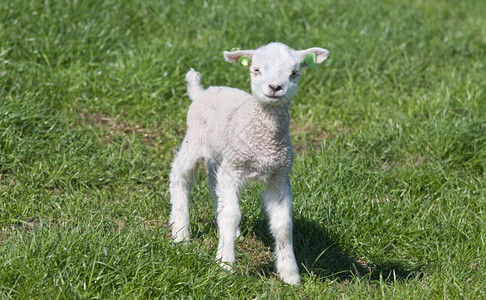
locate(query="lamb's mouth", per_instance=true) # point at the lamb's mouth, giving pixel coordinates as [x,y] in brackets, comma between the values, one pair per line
[274,97]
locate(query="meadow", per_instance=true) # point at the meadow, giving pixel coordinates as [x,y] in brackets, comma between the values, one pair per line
[389,135]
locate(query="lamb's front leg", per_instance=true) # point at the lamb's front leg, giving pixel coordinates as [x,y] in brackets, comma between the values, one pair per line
[278,205]
[228,216]
[213,168]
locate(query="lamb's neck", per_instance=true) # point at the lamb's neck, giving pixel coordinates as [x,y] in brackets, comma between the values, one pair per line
[273,118]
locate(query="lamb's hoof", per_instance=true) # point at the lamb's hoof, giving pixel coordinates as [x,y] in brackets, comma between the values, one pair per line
[180,236]
[293,279]
[227,266]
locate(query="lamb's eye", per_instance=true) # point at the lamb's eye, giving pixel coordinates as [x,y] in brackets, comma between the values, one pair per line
[294,74]
[256,72]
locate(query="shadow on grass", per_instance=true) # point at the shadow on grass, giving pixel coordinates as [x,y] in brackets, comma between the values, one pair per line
[319,253]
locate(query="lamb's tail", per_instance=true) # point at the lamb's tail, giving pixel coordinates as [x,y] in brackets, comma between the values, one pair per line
[194,87]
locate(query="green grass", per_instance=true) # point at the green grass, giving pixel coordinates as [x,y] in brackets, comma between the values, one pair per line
[389,180]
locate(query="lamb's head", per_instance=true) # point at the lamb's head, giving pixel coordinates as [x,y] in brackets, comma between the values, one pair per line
[275,70]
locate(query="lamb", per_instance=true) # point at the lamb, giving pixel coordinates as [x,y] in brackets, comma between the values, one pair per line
[243,137]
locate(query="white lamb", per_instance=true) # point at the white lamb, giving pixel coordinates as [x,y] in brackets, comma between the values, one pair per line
[243,137]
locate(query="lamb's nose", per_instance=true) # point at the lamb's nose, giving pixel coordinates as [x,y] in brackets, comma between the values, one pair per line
[275,87]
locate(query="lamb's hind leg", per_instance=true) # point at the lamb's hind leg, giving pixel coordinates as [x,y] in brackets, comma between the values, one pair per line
[181,180]
[278,205]
[212,171]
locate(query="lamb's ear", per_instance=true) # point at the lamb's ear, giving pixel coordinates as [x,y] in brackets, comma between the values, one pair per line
[242,57]
[312,57]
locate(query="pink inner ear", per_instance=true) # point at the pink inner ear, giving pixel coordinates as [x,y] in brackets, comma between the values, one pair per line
[321,55]
[233,56]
